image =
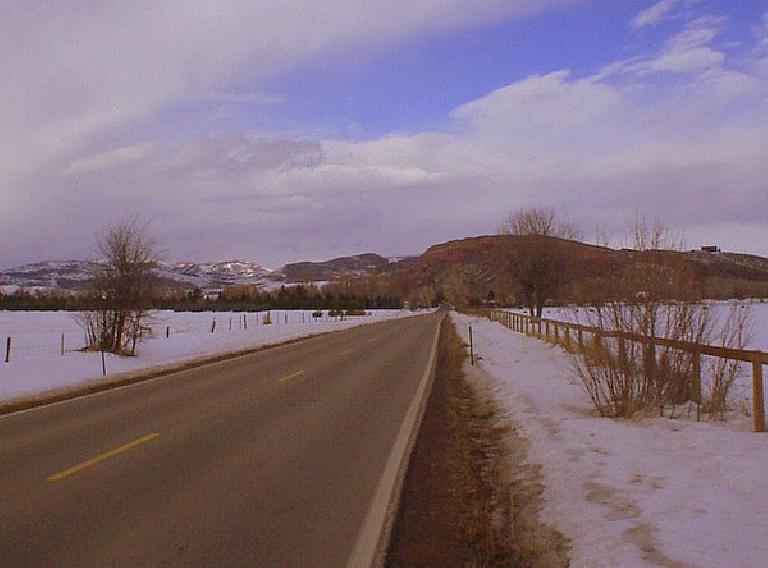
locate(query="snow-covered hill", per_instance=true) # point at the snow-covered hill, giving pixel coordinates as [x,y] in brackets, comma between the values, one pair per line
[71,274]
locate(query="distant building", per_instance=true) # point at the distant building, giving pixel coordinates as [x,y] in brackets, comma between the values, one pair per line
[710,248]
[212,294]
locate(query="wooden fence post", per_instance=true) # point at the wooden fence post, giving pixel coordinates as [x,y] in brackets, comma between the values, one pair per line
[8,350]
[546,331]
[651,362]
[62,344]
[557,334]
[649,368]
[696,382]
[622,350]
[597,347]
[758,402]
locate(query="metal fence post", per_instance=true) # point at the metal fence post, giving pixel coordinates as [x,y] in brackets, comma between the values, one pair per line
[471,346]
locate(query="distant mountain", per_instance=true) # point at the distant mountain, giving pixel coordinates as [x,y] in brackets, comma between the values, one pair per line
[356,265]
[481,257]
[67,274]
[216,274]
[73,274]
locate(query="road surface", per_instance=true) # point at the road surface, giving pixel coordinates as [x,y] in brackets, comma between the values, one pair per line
[266,460]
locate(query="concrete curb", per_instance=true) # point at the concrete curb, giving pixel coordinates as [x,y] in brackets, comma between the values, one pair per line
[370,549]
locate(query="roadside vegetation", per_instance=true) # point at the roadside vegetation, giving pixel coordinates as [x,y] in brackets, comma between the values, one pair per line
[456,505]
[658,300]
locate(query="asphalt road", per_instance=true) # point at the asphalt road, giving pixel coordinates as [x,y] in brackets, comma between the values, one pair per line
[266,460]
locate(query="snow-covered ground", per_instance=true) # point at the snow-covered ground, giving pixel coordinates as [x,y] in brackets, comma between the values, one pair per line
[651,492]
[740,394]
[758,316]
[36,364]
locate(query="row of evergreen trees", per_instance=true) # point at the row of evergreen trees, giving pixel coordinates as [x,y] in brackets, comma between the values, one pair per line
[287,297]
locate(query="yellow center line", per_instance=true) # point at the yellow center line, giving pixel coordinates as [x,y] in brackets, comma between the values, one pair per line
[295,375]
[346,352]
[101,457]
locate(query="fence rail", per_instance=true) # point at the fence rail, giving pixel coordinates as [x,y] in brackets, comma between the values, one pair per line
[559,332]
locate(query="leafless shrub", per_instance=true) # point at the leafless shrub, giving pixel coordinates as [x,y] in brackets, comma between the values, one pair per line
[88,321]
[657,299]
[735,333]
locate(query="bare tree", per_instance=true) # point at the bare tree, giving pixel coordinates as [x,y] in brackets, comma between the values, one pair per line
[538,265]
[539,221]
[462,285]
[123,281]
[536,262]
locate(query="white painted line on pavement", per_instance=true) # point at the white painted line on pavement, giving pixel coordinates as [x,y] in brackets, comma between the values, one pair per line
[370,548]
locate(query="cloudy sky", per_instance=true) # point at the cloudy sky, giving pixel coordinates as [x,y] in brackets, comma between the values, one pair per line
[281,131]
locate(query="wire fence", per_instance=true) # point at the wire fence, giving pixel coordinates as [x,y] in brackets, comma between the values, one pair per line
[19,345]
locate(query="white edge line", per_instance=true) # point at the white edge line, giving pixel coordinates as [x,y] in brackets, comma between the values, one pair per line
[370,548]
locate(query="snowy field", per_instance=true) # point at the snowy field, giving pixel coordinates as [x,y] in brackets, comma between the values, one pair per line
[740,394]
[758,314]
[37,365]
[630,493]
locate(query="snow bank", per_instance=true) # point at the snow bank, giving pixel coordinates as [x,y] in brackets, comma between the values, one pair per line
[630,493]
[37,365]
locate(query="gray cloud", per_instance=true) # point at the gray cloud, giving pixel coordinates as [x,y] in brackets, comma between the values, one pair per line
[599,148]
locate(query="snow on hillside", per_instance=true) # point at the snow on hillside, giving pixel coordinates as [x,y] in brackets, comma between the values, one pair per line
[651,492]
[71,273]
[37,364]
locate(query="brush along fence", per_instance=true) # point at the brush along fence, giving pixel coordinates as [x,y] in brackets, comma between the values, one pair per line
[574,337]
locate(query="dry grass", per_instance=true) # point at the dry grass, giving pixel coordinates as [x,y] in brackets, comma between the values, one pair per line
[457,502]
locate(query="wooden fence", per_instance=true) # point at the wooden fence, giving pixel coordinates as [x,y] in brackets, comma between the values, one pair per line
[560,333]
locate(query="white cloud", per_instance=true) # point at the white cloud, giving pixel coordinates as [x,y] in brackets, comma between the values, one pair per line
[541,102]
[689,143]
[689,50]
[109,159]
[70,73]
[654,14]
